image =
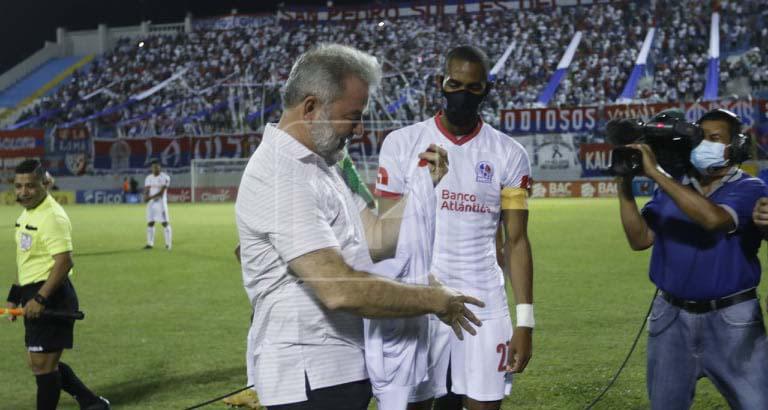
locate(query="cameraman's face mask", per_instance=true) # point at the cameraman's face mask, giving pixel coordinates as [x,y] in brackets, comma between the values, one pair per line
[712,154]
[709,157]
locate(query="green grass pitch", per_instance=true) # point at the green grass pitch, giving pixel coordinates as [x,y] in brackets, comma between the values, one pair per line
[166,330]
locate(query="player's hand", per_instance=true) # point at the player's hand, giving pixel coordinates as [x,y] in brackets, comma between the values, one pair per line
[32,309]
[11,305]
[520,350]
[453,310]
[436,158]
[760,213]
[649,159]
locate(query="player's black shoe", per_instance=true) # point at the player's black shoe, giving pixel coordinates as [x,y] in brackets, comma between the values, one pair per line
[102,404]
[148,247]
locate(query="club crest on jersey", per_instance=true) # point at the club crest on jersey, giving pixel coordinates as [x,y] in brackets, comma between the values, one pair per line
[26,241]
[484,172]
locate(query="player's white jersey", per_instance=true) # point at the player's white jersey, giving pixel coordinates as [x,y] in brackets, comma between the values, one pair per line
[156,183]
[469,198]
[396,350]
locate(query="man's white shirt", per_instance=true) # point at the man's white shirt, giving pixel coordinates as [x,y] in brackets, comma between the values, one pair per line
[291,203]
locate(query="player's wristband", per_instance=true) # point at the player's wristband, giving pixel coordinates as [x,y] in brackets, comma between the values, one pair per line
[14,295]
[41,299]
[524,313]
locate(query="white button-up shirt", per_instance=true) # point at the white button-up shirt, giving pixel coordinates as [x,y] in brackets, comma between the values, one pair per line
[290,203]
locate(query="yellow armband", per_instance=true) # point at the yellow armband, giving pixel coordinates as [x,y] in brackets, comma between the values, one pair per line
[514,198]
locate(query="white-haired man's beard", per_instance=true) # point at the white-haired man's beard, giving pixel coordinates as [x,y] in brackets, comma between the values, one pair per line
[328,145]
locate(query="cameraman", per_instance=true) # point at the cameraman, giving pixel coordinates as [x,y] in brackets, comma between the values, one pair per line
[706,320]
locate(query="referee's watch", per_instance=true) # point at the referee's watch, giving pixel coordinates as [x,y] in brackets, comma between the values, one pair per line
[42,300]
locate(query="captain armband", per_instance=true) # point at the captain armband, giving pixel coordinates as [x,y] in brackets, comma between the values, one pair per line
[514,199]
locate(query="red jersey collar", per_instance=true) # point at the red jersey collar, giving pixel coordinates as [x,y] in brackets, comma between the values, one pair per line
[453,138]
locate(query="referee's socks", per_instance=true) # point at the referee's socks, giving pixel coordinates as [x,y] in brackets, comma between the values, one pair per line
[48,390]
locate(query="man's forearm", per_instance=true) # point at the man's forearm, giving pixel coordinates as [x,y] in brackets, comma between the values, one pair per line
[635,228]
[375,297]
[519,267]
[700,209]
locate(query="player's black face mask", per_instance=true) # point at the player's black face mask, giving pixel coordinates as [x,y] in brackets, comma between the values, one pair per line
[462,106]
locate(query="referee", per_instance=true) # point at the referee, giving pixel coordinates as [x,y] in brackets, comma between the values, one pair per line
[44,262]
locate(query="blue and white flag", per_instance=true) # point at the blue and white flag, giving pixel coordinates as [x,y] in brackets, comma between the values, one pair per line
[713,70]
[500,64]
[630,88]
[562,68]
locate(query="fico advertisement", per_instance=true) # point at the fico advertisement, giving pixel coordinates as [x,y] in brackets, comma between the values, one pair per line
[99,196]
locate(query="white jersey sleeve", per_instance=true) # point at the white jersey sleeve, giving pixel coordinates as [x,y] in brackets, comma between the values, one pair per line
[517,169]
[390,180]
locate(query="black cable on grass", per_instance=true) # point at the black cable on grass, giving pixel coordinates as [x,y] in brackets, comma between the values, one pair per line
[197,406]
[626,359]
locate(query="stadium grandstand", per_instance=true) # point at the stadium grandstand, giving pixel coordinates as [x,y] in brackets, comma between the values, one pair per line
[222,75]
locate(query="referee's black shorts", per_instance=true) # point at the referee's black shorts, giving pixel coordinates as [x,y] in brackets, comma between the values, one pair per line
[47,335]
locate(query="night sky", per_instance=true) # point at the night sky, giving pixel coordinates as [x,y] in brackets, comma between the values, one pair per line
[26,24]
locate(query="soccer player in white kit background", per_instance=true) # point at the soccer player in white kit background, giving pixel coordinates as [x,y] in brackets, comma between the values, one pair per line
[488,183]
[156,194]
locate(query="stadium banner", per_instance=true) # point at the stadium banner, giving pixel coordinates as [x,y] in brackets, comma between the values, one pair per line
[552,157]
[173,152]
[68,151]
[99,196]
[595,160]
[587,189]
[231,22]
[549,120]
[420,9]
[218,194]
[179,194]
[588,124]
[22,143]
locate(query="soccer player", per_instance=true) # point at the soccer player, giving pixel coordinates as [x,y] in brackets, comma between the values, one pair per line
[44,262]
[155,191]
[488,182]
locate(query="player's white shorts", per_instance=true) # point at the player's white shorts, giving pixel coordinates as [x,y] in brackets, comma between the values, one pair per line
[477,363]
[157,211]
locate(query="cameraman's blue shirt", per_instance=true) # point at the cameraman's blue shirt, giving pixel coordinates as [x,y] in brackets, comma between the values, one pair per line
[692,263]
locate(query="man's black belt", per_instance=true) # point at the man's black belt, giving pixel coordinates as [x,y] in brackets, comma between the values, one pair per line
[704,306]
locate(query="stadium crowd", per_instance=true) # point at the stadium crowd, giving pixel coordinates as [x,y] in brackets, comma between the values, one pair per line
[221,80]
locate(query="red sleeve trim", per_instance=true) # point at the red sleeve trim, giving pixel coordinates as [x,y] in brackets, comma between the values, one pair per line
[387,195]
